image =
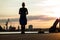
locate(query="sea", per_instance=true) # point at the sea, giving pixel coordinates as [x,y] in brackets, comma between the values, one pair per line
[32,32]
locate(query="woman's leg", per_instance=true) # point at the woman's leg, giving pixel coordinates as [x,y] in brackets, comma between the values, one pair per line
[22,29]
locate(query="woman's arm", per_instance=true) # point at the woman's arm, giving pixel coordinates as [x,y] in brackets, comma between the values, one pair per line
[19,11]
[26,12]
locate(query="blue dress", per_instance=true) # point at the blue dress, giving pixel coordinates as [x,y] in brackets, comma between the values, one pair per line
[23,19]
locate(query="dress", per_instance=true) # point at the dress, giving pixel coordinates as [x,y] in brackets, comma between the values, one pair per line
[23,19]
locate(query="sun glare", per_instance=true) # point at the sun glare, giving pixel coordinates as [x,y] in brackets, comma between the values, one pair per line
[57,15]
[56,11]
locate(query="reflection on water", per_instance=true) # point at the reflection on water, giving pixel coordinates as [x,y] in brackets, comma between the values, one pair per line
[20,32]
[46,32]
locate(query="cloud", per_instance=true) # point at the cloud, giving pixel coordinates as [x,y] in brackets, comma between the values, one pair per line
[41,17]
[10,20]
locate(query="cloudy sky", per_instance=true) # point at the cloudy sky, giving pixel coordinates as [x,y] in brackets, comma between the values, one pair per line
[42,12]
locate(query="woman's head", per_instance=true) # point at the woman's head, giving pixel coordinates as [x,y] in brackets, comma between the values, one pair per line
[23,4]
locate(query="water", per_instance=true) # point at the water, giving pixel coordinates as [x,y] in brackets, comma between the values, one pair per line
[18,32]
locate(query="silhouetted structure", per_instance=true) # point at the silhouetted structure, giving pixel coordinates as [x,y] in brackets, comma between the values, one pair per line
[1,28]
[30,27]
[7,24]
[18,28]
[41,31]
[4,27]
[23,20]
[12,28]
[59,23]
[53,28]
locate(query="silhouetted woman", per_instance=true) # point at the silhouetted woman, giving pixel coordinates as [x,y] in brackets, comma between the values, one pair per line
[23,20]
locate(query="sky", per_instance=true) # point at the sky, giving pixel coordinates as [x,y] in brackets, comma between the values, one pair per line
[42,12]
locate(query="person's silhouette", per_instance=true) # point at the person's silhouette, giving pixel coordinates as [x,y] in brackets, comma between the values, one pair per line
[23,20]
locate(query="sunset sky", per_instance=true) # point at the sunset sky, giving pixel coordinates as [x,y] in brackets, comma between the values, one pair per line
[42,13]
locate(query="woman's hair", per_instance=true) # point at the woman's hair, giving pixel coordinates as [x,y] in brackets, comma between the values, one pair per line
[23,4]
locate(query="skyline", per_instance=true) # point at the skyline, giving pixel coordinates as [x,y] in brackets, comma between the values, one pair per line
[41,21]
[43,12]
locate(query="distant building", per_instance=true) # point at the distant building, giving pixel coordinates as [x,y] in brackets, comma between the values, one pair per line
[1,28]
[41,31]
[30,27]
[12,28]
[7,24]
[59,22]
[4,27]
[18,27]
[53,28]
